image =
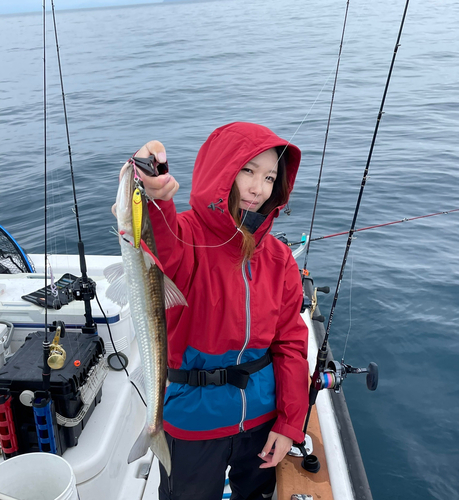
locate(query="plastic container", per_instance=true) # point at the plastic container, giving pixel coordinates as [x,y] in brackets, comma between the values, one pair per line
[66,386]
[38,476]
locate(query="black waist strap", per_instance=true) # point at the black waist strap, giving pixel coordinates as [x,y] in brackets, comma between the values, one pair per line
[237,375]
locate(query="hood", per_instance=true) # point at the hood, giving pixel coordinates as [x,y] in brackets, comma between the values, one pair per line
[219,161]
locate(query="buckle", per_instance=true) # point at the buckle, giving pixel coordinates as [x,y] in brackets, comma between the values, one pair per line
[216,377]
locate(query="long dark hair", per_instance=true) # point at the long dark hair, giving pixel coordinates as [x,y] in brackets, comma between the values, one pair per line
[279,196]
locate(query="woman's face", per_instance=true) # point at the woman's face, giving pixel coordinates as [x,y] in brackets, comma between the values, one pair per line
[256,179]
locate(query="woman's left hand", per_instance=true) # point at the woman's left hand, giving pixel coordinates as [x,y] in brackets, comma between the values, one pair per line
[271,454]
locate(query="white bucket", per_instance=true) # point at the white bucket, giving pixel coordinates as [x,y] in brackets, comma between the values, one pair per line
[37,476]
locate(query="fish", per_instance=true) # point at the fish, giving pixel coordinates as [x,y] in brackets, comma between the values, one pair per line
[140,280]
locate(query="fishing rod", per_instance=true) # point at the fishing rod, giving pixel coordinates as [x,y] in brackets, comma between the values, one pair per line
[406,219]
[83,288]
[308,242]
[42,404]
[46,368]
[332,376]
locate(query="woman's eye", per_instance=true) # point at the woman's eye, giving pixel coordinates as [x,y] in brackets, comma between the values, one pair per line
[248,170]
[270,178]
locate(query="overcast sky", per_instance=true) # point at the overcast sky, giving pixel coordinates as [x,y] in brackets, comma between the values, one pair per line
[16,6]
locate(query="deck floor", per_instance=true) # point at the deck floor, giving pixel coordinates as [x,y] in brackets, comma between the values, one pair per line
[293,479]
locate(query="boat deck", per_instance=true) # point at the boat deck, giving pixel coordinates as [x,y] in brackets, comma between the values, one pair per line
[293,479]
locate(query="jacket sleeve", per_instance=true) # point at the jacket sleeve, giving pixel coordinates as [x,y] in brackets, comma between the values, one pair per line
[171,230]
[289,350]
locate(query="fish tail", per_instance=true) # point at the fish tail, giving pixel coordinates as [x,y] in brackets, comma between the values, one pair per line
[140,447]
[160,448]
[158,445]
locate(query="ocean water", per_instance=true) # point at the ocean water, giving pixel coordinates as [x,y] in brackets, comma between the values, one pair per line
[176,71]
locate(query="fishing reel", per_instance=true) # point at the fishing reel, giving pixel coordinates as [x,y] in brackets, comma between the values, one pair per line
[57,354]
[335,373]
[83,289]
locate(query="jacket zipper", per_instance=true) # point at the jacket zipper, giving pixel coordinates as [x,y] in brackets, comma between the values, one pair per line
[247,338]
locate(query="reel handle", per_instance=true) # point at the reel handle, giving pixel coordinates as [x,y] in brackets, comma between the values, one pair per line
[57,354]
[371,371]
[372,376]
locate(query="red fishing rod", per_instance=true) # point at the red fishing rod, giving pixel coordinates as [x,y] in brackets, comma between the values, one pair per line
[406,219]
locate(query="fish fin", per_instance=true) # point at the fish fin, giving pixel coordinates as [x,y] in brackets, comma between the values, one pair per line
[150,257]
[140,447]
[137,378]
[160,448]
[117,292]
[114,271]
[172,295]
[158,445]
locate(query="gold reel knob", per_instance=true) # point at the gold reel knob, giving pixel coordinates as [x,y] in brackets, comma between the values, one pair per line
[57,354]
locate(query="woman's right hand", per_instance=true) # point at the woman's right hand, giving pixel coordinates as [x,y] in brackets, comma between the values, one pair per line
[162,187]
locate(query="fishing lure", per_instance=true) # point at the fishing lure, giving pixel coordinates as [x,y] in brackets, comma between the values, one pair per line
[137,216]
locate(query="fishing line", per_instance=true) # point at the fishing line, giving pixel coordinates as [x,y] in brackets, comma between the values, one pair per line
[289,142]
[350,309]
[238,228]
[308,241]
[120,360]
[363,11]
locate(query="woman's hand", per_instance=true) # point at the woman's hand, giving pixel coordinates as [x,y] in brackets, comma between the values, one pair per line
[162,187]
[271,454]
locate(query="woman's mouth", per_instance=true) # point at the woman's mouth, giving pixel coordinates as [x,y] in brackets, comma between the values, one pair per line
[250,204]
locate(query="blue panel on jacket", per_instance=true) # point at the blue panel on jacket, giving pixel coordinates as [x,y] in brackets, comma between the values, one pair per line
[212,407]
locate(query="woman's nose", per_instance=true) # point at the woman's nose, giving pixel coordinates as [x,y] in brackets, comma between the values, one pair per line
[256,186]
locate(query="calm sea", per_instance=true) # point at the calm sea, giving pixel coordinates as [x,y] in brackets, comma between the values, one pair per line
[176,71]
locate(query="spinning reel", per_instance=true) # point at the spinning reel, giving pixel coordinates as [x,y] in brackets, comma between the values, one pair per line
[335,373]
[332,377]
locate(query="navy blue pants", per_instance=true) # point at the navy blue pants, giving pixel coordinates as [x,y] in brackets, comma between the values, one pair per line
[198,468]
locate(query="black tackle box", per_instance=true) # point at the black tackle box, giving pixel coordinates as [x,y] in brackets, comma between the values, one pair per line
[22,375]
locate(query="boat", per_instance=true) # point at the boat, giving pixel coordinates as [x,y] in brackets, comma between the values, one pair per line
[110,414]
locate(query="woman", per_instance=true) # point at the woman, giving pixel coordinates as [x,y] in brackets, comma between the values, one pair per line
[244,297]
